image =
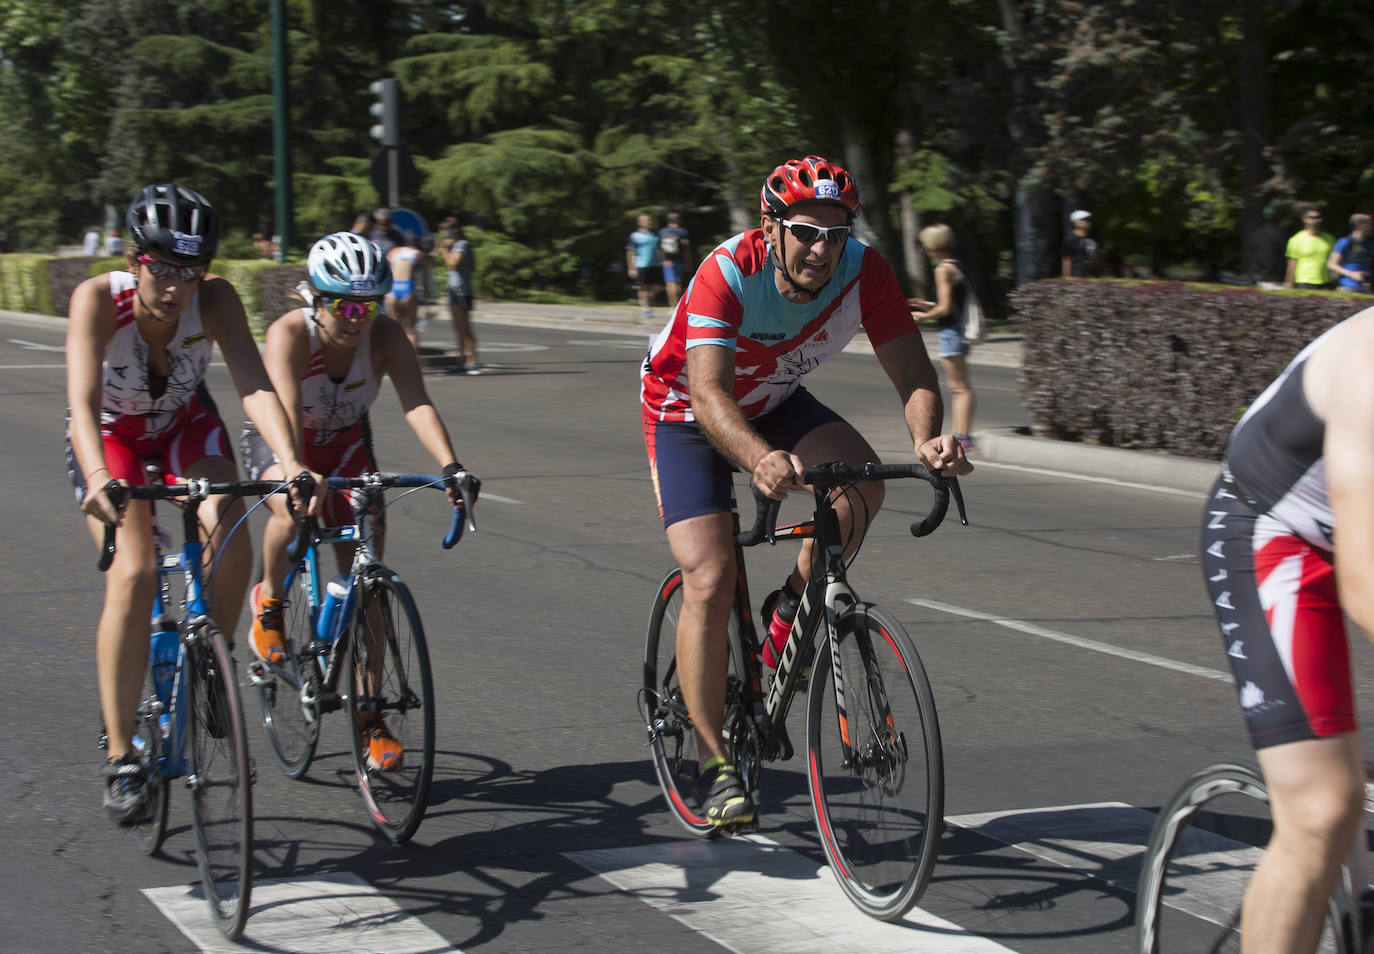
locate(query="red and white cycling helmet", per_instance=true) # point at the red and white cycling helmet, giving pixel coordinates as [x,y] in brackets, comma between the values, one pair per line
[813,179]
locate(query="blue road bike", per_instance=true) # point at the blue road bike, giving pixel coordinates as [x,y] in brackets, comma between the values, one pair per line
[357,644]
[190,724]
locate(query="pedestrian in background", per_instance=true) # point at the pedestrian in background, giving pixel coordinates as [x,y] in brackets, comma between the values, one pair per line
[675,257]
[1308,252]
[457,252]
[1352,256]
[947,312]
[114,245]
[90,242]
[1080,253]
[642,263]
[1264,254]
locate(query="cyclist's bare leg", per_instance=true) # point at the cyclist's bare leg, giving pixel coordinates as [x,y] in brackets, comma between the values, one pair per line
[960,393]
[838,440]
[218,516]
[1316,792]
[704,547]
[121,642]
[276,537]
[463,334]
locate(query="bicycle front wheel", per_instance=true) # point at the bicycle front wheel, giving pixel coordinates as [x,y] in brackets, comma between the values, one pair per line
[672,737]
[1201,856]
[875,764]
[392,704]
[221,780]
[292,725]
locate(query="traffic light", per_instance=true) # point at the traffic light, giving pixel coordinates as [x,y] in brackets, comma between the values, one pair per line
[387,109]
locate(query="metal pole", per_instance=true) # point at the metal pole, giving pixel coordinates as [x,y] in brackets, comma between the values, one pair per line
[393,177]
[281,149]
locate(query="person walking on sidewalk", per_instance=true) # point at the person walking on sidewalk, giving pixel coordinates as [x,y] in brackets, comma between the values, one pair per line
[457,252]
[947,311]
[642,263]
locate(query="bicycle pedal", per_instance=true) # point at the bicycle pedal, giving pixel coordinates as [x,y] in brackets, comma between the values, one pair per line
[743,828]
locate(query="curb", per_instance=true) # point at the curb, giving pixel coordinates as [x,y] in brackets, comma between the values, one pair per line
[1145,467]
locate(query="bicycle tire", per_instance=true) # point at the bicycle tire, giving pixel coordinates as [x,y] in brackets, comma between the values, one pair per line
[672,739]
[1200,856]
[400,689]
[220,780]
[150,832]
[291,726]
[880,814]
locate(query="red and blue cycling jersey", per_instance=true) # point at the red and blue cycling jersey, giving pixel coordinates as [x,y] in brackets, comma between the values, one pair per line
[733,301]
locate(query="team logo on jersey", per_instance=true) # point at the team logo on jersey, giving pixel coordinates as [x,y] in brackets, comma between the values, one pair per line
[192,339]
[354,385]
[767,335]
[183,244]
[827,189]
[362,285]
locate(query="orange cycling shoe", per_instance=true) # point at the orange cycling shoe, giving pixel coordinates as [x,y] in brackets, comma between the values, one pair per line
[269,641]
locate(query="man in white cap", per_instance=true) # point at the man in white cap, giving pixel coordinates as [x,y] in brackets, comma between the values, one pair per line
[1080,255]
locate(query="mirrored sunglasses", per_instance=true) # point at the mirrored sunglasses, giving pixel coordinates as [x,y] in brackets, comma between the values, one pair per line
[807,234]
[160,269]
[351,309]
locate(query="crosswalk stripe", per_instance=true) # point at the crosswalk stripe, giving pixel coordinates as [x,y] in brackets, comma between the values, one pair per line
[741,892]
[321,915]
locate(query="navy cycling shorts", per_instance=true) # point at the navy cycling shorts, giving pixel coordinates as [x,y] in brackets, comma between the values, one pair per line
[691,478]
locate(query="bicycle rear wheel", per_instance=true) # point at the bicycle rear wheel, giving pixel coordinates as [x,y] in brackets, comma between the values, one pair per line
[291,725]
[390,682]
[149,832]
[1201,855]
[875,764]
[672,738]
[220,780]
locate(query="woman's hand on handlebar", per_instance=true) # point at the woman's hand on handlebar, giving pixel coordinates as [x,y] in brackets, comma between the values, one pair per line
[777,472]
[318,486]
[944,455]
[97,503]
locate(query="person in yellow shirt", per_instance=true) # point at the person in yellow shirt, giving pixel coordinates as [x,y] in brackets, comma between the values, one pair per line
[1307,253]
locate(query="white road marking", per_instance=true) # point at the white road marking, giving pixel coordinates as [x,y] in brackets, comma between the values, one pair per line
[31,367]
[1021,626]
[977,462]
[1174,557]
[753,896]
[322,915]
[35,346]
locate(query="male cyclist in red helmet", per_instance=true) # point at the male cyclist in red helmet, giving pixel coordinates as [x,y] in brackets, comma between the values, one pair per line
[721,386]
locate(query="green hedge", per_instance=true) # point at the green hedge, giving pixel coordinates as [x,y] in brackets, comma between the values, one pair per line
[265,287]
[1159,365]
[24,284]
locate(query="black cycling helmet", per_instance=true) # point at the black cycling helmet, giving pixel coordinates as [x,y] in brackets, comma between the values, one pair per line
[173,223]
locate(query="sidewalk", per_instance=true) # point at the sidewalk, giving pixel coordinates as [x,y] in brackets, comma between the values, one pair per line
[1001,349]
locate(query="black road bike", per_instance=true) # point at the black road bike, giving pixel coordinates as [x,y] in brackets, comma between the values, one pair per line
[874,761]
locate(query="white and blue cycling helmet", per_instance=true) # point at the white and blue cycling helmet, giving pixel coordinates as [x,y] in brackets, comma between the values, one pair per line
[349,265]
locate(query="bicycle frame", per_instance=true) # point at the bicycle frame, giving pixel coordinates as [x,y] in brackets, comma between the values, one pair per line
[195,611]
[826,595]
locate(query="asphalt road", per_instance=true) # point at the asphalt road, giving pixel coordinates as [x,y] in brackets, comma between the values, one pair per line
[1066,634]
